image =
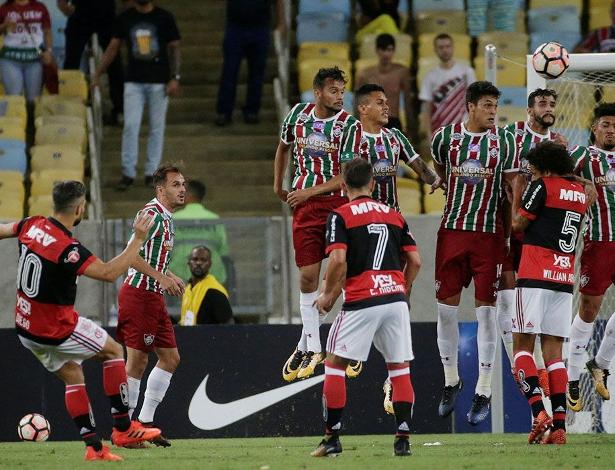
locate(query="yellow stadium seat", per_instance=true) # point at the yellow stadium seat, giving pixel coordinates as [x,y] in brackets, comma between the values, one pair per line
[310,67]
[444,21]
[599,17]
[323,50]
[59,119]
[599,3]
[509,74]
[48,157]
[508,114]
[12,121]
[403,48]
[461,41]
[60,105]
[73,83]
[64,134]
[11,185]
[40,205]
[13,106]
[12,132]
[556,3]
[409,200]
[9,210]
[43,181]
[434,203]
[409,183]
[507,43]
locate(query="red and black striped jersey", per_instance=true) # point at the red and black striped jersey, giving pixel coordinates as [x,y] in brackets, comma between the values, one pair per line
[555,206]
[50,260]
[374,236]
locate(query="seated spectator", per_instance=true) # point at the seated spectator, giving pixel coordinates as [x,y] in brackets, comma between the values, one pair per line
[394,78]
[377,17]
[205,300]
[601,39]
[443,88]
[502,12]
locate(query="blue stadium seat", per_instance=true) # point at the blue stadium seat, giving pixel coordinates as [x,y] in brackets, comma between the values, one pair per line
[332,27]
[568,39]
[428,5]
[308,97]
[13,159]
[513,96]
[324,7]
[12,144]
[553,20]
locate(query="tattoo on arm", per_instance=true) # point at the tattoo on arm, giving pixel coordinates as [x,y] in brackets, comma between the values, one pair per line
[425,173]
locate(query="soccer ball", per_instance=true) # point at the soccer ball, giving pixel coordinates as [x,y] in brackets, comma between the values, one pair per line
[550,59]
[33,427]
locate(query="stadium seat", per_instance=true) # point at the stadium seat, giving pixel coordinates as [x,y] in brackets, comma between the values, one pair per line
[12,121]
[12,131]
[509,74]
[429,5]
[508,114]
[325,6]
[9,210]
[13,159]
[11,183]
[48,157]
[43,181]
[309,68]
[553,20]
[441,22]
[507,43]
[58,119]
[331,27]
[513,96]
[409,200]
[62,134]
[462,45]
[308,97]
[40,205]
[14,194]
[434,203]
[578,4]
[403,48]
[599,17]
[323,51]
[62,105]
[73,83]
[567,39]
[13,106]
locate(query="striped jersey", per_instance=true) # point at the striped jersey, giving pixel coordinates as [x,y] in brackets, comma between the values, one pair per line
[526,140]
[598,166]
[474,165]
[156,251]
[384,151]
[320,145]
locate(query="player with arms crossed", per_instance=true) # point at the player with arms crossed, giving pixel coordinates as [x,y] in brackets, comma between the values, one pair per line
[50,261]
[143,321]
[596,163]
[320,137]
[474,158]
[374,258]
[550,212]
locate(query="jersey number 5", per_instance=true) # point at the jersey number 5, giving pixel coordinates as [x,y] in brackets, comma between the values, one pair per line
[569,228]
[29,272]
[383,237]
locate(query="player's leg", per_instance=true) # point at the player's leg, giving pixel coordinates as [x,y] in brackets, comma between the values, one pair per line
[309,277]
[558,379]
[505,307]
[543,375]
[158,382]
[136,362]
[598,367]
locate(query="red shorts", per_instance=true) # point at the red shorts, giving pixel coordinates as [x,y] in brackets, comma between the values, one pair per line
[310,227]
[143,320]
[597,267]
[462,256]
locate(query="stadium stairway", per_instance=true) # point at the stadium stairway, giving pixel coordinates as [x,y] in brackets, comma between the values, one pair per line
[235,162]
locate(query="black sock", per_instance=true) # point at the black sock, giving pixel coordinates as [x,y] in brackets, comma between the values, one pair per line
[87,431]
[403,416]
[119,411]
[558,404]
[533,393]
[333,420]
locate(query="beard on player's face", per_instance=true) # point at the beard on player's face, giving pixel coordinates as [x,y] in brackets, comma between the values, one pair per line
[546,120]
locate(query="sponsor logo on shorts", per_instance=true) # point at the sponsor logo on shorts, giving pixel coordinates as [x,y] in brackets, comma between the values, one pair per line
[584,280]
[148,339]
[98,333]
[529,324]
[438,284]
[73,256]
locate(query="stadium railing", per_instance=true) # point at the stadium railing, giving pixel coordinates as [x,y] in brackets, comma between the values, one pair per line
[94,117]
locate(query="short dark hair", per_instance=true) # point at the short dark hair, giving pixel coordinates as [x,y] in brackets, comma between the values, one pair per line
[551,157]
[334,73]
[365,91]
[542,92]
[357,173]
[384,40]
[479,89]
[160,175]
[604,109]
[66,194]
[443,36]
[197,189]
[199,247]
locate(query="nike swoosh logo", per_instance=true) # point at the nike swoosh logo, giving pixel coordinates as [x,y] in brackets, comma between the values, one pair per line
[208,415]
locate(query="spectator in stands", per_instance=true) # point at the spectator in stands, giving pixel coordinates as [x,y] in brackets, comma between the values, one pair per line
[205,300]
[443,89]
[247,31]
[152,75]
[601,39]
[503,14]
[213,235]
[378,17]
[393,77]
[85,18]
[26,27]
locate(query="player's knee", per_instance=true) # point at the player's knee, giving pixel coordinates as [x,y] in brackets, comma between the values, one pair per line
[308,283]
[169,361]
[589,308]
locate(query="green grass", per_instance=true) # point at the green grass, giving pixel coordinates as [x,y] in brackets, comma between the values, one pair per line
[471,451]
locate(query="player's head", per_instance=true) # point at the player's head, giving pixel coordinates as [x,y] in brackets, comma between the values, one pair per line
[603,126]
[550,158]
[444,47]
[69,200]
[358,177]
[329,85]
[199,261]
[170,186]
[195,191]
[372,104]
[482,104]
[541,106]
[385,48]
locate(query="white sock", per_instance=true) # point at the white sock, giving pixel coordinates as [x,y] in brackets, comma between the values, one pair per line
[606,352]
[538,358]
[302,344]
[157,385]
[448,342]
[311,322]
[486,338]
[580,334]
[134,386]
[505,306]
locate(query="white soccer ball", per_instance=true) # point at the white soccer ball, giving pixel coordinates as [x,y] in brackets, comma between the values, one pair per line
[550,60]
[34,427]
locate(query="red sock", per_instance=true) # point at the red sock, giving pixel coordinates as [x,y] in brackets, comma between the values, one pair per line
[115,384]
[558,380]
[525,368]
[78,407]
[334,396]
[403,397]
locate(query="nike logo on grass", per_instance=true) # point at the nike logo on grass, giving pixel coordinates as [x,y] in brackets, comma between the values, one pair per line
[208,415]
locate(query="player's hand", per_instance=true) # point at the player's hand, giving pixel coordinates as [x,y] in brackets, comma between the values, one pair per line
[324,304]
[438,183]
[178,281]
[281,193]
[47,57]
[297,197]
[559,139]
[173,87]
[170,286]
[142,225]
[590,193]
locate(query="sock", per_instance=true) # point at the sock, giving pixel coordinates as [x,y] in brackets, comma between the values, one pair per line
[403,397]
[606,352]
[505,306]
[78,407]
[115,384]
[538,359]
[134,387]
[486,338]
[528,380]
[333,397]
[157,385]
[558,380]
[302,344]
[448,342]
[580,334]
[311,322]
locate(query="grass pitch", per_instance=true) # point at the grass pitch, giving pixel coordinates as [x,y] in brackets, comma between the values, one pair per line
[471,451]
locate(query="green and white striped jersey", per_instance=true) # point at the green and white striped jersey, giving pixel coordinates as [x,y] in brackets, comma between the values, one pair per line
[526,140]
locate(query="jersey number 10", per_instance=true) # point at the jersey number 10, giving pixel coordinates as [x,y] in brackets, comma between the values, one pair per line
[29,272]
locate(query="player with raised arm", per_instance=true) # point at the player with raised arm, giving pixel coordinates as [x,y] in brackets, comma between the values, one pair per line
[597,164]
[373,257]
[143,321]
[50,260]
[550,211]
[474,158]
[321,139]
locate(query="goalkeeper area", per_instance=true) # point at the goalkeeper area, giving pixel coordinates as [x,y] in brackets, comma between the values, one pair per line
[428,451]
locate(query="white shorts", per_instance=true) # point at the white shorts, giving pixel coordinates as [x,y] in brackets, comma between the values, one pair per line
[388,326]
[84,342]
[542,311]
